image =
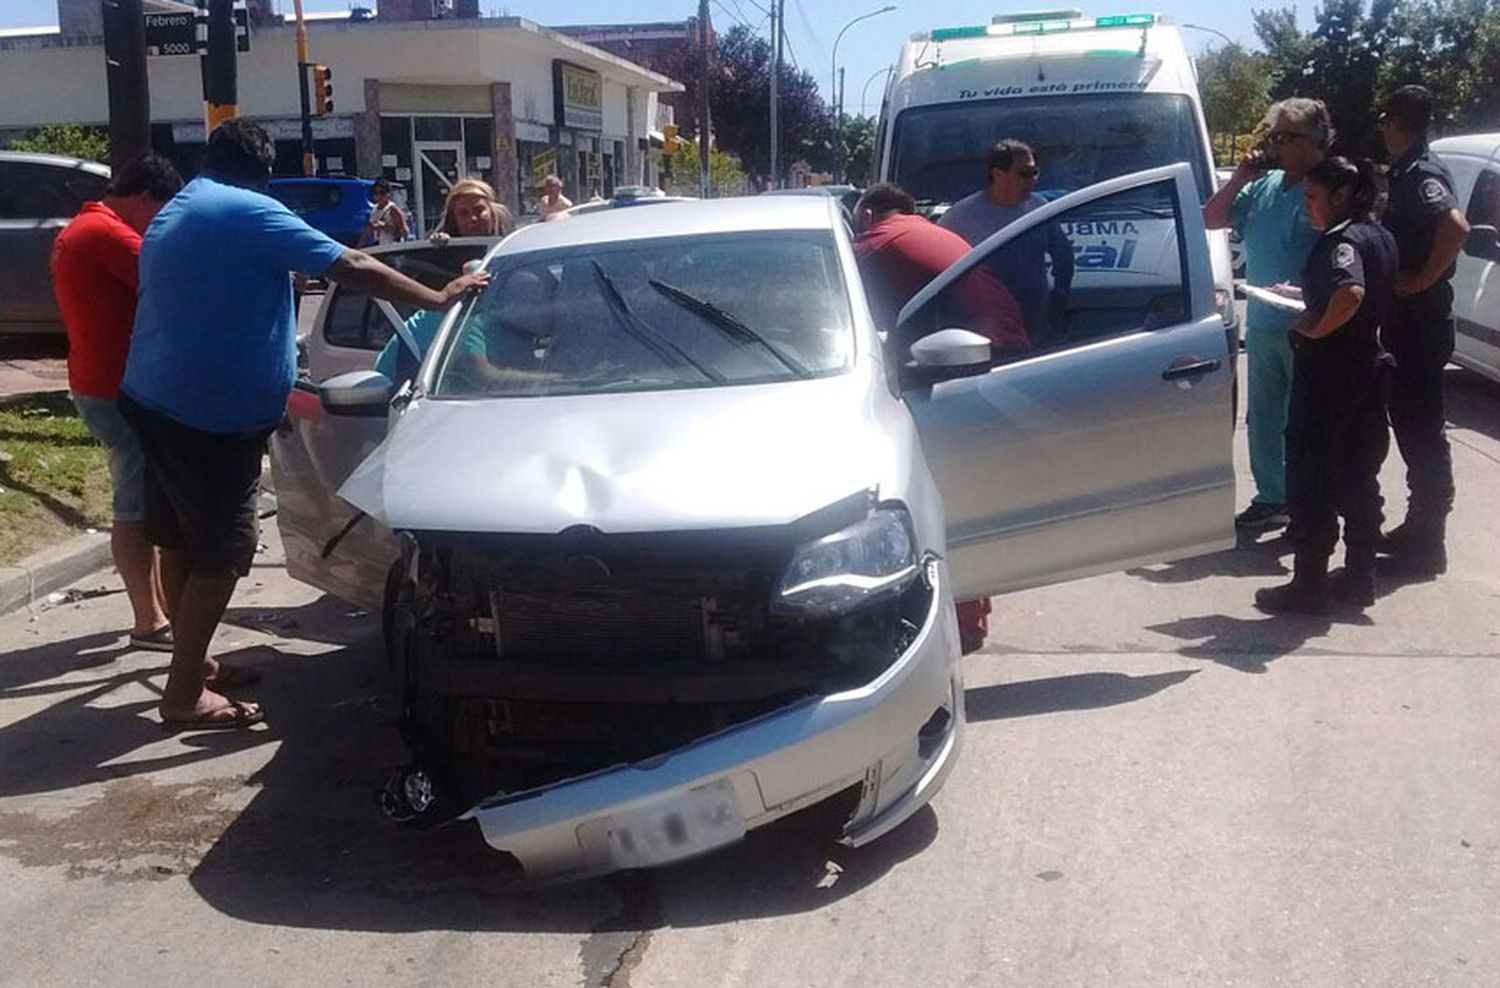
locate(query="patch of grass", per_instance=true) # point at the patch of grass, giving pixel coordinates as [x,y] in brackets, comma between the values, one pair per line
[54,476]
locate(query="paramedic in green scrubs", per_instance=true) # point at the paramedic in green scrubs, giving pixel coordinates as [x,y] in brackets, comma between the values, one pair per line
[1263,201]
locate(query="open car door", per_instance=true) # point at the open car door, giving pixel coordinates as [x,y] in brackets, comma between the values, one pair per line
[1104,444]
[327,543]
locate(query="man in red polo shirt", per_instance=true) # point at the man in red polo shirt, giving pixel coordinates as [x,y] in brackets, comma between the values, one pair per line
[94,276]
[899,252]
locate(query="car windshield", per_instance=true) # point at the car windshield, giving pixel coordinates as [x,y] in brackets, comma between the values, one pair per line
[682,312]
[940,150]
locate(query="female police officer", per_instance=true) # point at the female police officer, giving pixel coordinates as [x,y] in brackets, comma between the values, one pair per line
[1336,433]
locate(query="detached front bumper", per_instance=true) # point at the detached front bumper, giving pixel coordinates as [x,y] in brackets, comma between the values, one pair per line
[896,738]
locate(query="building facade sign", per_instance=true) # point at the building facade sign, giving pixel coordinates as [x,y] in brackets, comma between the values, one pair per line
[281,129]
[579,95]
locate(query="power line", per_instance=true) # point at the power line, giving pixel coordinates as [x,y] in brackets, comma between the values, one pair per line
[731,14]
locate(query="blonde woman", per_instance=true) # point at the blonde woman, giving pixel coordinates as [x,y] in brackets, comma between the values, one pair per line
[471,210]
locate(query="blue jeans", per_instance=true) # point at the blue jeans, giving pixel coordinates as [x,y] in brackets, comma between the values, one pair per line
[1268,354]
[127,465]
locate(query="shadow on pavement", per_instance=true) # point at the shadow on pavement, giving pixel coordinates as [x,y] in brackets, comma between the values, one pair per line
[84,737]
[1248,645]
[1255,554]
[1084,691]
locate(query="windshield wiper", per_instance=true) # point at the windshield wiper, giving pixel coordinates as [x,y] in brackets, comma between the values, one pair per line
[669,352]
[728,324]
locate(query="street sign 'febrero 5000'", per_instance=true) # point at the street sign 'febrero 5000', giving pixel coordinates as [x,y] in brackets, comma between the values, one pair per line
[186,32]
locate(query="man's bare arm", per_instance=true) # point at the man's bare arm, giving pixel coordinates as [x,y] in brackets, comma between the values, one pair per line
[360,272]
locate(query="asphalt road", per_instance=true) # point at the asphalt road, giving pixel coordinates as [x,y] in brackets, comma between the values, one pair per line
[1161,787]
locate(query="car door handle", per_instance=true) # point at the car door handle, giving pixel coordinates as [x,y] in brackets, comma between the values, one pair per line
[1190,369]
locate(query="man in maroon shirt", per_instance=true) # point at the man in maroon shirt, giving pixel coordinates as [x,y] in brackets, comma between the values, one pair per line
[899,252]
[95,262]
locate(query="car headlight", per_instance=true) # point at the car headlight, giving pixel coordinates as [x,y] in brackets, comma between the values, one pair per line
[842,571]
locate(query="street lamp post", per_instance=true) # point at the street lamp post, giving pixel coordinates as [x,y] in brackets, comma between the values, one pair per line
[1231,43]
[1198,27]
[838,124]
[866,90]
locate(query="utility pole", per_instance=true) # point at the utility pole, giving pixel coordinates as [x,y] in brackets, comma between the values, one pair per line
[778,10]
[307,132]
[125,74]
[220,66]
[705,126]
[838,131]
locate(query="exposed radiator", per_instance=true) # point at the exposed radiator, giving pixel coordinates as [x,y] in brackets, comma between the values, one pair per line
[603,627]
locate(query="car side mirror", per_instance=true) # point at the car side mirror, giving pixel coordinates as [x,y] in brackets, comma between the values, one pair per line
[951,348]
[946,354]
[358,393]
[1483,243]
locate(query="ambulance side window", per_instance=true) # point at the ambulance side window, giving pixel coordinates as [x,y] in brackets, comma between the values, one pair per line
[1109,267]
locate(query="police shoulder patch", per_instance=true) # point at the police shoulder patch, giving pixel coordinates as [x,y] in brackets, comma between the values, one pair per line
[1433,191]
[1343,256]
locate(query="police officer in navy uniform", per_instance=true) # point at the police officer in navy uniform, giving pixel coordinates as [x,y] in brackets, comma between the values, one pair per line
[1336,436]
[1430,230]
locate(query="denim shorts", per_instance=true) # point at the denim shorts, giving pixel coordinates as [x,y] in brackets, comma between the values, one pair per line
[127,465]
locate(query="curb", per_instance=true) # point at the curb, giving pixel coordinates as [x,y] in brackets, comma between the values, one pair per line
[39,574]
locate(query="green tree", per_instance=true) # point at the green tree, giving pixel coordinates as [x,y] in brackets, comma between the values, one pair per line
[740,107]
[89,143]
[724,174]
[1235,85]
[1355,55]
[858,149]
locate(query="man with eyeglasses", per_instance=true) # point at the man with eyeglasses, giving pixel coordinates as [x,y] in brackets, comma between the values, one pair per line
[1009,194]
[1430,230]
[1263,200]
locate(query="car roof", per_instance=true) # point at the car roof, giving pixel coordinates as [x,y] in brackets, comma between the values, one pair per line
[56,161]
[691,217]
[1480,145]
[411,246]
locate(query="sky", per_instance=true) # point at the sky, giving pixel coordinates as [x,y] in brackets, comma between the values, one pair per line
[866,48]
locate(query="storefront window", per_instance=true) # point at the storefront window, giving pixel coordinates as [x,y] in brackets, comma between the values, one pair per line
[440,129]
[479,149]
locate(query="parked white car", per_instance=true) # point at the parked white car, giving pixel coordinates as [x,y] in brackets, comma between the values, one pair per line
[668,538]
[1475,163]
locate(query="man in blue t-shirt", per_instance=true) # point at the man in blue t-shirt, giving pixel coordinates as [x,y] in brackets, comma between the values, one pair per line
[1264,202]
[211,363]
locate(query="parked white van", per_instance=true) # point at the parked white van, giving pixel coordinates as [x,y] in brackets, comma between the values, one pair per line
[1096,97]
[1475,163]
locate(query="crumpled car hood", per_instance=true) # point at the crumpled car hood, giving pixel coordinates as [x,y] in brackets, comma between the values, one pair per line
[695,459]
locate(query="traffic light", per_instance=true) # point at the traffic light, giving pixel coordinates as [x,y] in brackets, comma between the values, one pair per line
[669,140]
[322,90]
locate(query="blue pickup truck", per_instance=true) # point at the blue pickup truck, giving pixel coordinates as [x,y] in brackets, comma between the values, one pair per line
[339,207]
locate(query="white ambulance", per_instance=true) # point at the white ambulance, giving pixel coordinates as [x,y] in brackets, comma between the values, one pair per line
[1096,97]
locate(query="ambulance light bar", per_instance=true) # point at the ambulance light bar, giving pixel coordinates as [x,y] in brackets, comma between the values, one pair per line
[1038,22]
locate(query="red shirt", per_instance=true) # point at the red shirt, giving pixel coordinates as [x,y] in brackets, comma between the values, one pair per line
[899,255]
[95,270]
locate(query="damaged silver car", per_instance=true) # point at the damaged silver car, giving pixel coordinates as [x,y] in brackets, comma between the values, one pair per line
[668,537]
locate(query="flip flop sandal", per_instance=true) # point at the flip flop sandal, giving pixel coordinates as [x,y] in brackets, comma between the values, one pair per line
[159,640]
[212,721]
[232,677]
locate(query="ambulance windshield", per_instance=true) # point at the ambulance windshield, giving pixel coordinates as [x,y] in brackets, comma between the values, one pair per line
[940,150]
